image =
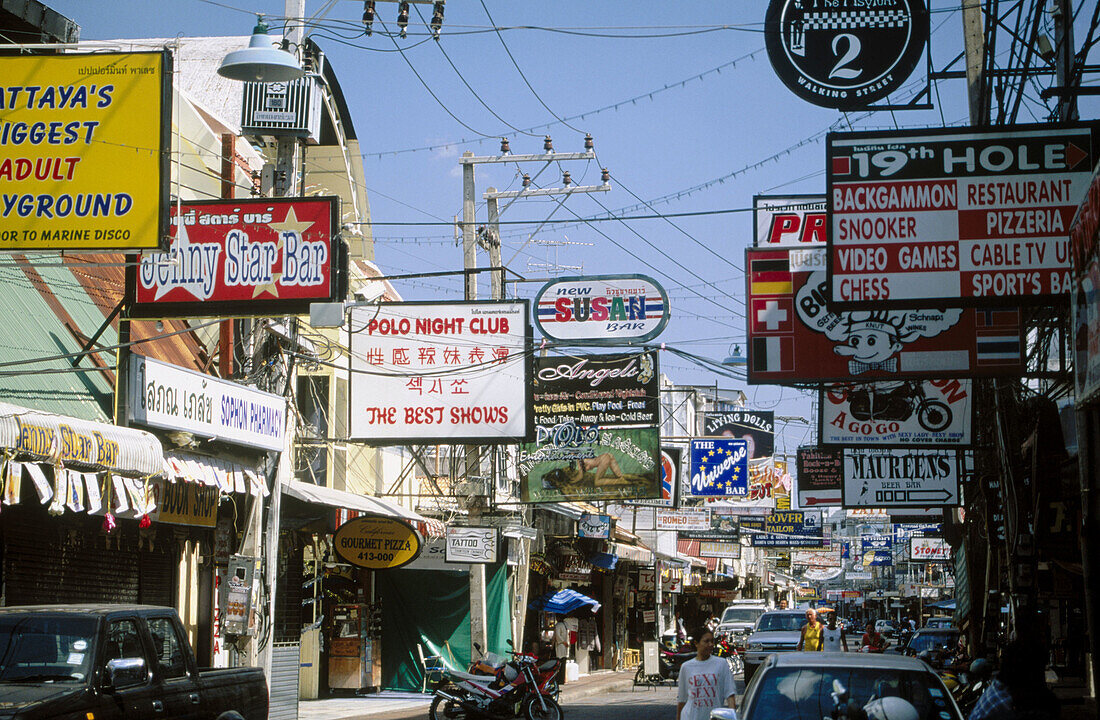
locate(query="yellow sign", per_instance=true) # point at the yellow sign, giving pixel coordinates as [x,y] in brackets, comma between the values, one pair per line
[185,503]
[377,543]
[84,151]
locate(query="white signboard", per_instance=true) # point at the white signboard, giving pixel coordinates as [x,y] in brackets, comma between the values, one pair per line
[926,549]
[170,397]
[920,218]
[440,372]
[673,585]
[433,556]
[602,309]
[647,580]
[471,545]
[728,550]
[685,519]
[857,575]
[885,478]
[932,413]
[789,220]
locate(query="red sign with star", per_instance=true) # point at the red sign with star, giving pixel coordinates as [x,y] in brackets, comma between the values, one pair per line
[240,258]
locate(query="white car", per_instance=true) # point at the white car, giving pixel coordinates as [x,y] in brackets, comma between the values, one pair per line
[802,684]
[885,628]
[775,632]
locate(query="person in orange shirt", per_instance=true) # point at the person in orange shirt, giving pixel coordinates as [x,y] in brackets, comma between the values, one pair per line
[812,632]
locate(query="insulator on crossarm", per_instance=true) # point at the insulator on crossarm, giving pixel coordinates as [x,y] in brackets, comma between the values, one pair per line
[605,176]
[588,145]
[403,18]
[437,18]
[368,15]
[505,148]
[566,178]
[548,145]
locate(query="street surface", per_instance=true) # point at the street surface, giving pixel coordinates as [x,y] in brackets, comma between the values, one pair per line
[642,703]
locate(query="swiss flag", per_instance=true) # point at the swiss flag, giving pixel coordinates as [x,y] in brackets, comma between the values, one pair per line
[772,315]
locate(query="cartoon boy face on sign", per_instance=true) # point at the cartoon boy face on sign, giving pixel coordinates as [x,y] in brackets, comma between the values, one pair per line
[870,338]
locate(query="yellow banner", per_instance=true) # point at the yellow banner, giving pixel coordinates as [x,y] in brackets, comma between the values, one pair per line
[84,151]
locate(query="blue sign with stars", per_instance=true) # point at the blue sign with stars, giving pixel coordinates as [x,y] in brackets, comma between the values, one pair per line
[719,468]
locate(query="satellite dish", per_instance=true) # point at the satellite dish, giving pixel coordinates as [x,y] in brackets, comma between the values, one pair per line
[260,61]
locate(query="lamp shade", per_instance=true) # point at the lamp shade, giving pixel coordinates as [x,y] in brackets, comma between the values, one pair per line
[260,62]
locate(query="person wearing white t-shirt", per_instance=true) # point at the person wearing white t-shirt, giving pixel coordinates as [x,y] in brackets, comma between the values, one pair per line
[706,681]
[833,638]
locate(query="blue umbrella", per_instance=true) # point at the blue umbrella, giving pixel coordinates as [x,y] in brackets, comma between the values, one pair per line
[562,602]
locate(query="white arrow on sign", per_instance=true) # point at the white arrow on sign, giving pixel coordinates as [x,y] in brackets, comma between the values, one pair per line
[900,477]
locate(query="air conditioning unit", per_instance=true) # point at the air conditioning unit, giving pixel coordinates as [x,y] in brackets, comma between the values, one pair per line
[283,108]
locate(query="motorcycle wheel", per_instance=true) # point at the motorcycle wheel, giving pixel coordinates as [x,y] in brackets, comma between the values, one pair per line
[444,709]
[553,690]
[533,708]
[934,415]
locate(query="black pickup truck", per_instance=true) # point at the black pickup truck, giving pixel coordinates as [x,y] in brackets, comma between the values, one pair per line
[107,662]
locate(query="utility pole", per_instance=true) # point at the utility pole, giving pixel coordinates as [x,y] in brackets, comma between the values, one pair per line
[1063,62]
[974,48]
[489,238]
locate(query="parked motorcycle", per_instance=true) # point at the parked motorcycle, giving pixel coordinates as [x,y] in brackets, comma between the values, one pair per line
[668,664]
[725,649]
[490,664]
[518,689]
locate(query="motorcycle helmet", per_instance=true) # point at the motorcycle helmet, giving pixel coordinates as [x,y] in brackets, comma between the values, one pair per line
[890,708]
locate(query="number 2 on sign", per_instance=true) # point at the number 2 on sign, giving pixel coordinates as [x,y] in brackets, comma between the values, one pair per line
[850,54]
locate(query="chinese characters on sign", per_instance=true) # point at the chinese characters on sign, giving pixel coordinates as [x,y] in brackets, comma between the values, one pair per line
[450,372]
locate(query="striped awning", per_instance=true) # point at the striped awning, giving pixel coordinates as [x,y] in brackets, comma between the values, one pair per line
[37,436]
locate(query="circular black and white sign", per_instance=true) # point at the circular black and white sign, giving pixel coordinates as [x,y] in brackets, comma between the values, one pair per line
[845,54]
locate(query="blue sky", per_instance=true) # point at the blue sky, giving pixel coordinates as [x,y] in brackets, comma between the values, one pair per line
[702,124]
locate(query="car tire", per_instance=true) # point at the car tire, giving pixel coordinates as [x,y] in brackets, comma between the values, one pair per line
[750,670]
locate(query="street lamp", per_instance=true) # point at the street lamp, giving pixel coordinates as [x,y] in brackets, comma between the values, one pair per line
[260,61]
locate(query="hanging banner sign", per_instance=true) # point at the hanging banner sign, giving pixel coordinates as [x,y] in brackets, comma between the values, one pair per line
[876,551]
[789,220]
[932,413]
[239,258]
[84,151]
[594,526]
[857,574]
[439,372]
[793,529]
[893,478]
[184,503]
[602,309]
[755,427]
[377,543]
[820,476]
[926,549]
[794,337]
[719,468]
[845,55]
[174,398]
[728,550]
[683,519]
[955,217]
[596,435]
[471,544]
[722,527]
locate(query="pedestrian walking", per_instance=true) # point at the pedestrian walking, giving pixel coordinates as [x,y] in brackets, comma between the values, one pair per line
[811,632]
[833,637]
[705,683]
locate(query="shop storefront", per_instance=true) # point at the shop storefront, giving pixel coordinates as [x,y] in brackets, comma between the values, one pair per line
[76,525]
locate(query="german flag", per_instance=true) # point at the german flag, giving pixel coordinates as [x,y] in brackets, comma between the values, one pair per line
[770,275]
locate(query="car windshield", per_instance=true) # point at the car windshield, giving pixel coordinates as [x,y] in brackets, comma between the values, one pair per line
[44,649]
[806,693]
[746,615]
[781,621]
[931,641]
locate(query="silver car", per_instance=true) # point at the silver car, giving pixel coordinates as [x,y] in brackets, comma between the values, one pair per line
[775,631]
[803,684]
